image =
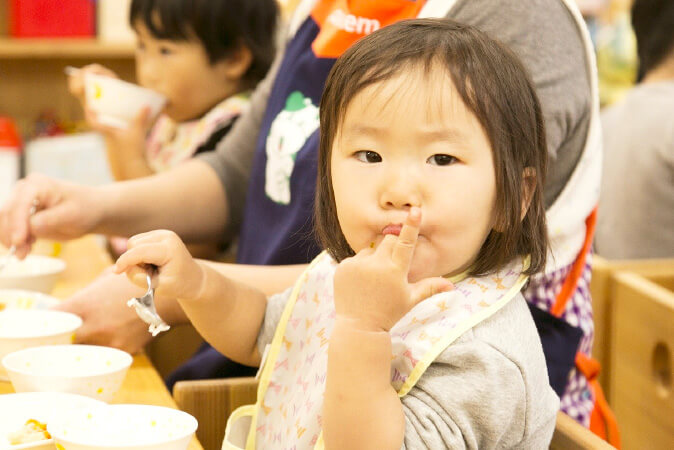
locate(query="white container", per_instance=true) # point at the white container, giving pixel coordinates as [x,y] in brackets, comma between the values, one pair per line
[21,299]
[33,273]
[17,409]
[10,166]
[22,329]
[89,370]
[80,158]
[119,427]
[116,102]
[113,21]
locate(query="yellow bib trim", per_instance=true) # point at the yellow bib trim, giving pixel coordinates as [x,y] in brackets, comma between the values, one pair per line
[276,347]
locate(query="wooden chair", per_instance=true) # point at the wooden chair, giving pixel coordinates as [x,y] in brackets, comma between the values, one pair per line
[570,435]
[212,401]
[642,342]
[602,288]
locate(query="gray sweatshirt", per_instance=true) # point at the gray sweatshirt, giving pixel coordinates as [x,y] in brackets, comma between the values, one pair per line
[488,389]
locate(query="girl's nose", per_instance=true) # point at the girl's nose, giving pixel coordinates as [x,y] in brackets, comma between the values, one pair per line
[400,192]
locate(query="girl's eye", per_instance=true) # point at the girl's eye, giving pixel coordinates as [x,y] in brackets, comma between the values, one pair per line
[441,160]
[165,50]
[368,156]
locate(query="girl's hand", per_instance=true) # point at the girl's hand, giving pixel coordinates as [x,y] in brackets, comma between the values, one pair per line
[178,274]
[371,288]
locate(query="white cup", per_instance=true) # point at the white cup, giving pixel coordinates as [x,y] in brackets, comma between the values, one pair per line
[116,102]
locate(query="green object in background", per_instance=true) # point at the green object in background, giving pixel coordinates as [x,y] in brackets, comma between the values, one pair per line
[616,58]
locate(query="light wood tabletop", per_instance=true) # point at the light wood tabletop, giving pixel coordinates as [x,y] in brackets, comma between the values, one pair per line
[86,259]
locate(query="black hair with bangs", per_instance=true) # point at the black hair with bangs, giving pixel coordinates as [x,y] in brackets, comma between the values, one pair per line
[222,26]
[494,86]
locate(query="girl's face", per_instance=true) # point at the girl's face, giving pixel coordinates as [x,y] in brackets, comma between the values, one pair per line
[410,141]
[181,71]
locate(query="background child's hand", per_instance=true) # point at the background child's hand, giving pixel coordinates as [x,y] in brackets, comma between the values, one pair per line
[371,288]
[125,146]
[178,276]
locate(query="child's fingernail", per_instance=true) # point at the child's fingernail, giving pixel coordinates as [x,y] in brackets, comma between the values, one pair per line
[415,212]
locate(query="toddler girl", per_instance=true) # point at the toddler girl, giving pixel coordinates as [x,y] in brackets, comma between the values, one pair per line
[410,329]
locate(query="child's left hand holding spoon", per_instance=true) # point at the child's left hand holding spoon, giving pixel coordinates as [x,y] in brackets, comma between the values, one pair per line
[372,288]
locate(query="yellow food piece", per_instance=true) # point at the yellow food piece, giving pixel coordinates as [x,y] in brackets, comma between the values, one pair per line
[32,431]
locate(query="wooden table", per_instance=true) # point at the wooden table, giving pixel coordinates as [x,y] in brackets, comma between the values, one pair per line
[86,258]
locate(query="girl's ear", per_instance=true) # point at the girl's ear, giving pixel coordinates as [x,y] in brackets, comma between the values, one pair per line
[234,67]
[528,189]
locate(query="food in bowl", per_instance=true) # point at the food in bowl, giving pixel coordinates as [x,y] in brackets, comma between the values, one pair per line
[89,370]
[22,299]
[17,409]
[116,102]
[22,329]
[34,273]
[122,427]
[31,431]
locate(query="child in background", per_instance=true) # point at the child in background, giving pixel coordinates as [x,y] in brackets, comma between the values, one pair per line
[204,57]
[431,167]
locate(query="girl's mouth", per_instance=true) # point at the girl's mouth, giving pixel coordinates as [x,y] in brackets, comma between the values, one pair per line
[393,228]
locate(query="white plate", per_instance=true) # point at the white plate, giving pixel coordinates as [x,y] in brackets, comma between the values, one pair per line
[16,409]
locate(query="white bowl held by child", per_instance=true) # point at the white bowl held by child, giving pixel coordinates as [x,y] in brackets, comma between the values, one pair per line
[116,102]
[22,329]
[89,370]
[117,427]
[33,273]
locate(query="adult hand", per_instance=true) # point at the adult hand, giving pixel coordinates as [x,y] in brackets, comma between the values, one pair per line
[107,320]
[65,211]
[371,288]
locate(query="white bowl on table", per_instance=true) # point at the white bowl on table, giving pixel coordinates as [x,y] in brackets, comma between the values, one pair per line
[120,427]
[89,370]
[11,299]
[33,273]
[23,329]
[116,102]
[16,409]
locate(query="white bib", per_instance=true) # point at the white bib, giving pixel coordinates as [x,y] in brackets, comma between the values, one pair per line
[292,386]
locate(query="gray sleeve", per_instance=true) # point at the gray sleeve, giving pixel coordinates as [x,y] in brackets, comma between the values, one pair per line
[272,316]
[489,389]
[461,403]
[232,159]
[545,36]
